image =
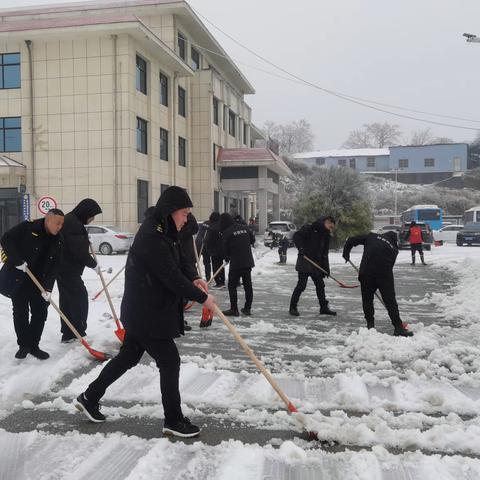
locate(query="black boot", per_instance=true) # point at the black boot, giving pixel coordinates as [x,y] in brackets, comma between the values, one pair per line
[402,332]
[246,311]
[326,311]
[186,326]
[91,410]
[40,354]
[232,312]
[413,261]
[22,353]
[370,323]
[423,260]
[293,311]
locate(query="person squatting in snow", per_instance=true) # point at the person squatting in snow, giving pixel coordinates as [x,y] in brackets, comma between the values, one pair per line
[313,241]
[376,273]
[157,280]
[73,295]
[36,245]
[415,237]
[238,240]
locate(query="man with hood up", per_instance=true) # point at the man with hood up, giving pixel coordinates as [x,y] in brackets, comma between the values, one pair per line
[214,246]
[376,273]
[76,256]
[238,240]
[313,240]
[156,282]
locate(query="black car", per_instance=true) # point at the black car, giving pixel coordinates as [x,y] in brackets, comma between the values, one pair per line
[427,236]
[470,234]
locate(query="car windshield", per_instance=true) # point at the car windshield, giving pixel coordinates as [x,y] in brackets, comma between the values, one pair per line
[475,227]
[114,229]
[281,227]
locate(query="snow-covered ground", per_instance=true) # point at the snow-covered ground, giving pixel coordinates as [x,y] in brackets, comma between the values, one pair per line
[383,407]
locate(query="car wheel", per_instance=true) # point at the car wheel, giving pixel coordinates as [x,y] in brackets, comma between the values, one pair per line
[105,249]
[428,248]
[459,243]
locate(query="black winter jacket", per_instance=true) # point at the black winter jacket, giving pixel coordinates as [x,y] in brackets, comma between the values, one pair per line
[29,242]
[237,243]
[185,237]
[77,245]
[214,241]
[379,253]
[313,240]
[156,280]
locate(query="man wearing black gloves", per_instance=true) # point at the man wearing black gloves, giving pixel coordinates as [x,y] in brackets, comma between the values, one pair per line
[376,272]
[313,240]
[37,246]
[238,240]
[73,294]
[156,282]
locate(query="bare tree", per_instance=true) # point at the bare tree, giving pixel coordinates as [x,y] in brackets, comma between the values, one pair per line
[293,137]
[374,135]
[442,140]
[421,137]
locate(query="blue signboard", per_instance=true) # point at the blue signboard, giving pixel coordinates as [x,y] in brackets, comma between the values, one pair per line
[26,206]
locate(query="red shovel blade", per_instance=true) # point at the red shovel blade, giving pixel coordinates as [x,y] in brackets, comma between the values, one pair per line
[344,285]
[207,317]
[95,353]
[120,333]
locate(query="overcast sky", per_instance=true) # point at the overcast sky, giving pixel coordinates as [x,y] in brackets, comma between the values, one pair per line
[409,53]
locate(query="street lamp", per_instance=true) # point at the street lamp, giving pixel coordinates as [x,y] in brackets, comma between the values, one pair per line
[396,169]
[471,38]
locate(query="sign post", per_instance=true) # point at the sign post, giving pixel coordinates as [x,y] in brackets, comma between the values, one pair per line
[45,204]
[26,206]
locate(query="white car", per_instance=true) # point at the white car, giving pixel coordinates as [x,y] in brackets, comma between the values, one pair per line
[448,233]
[107,239]
[284,228]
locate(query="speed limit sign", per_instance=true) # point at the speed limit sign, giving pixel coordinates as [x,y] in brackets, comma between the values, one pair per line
[45,204]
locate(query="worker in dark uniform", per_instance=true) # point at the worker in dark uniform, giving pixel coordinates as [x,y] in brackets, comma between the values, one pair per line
[238,240]
[283,245]
[313,240]
[156,282]
[72,290]
[214,246]
[376,273]
[36,245]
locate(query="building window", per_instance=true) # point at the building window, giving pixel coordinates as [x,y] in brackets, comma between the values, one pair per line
[232,123]
[245,133]
[215,153]
[320,161]
[163,187]
[216,201]
[182,102]
[142,199]
[10,70]
[342,162]
[403,163]
[215,110]
[353,163]
[429,162]
[195,56]
[182,46]
[225,116]
[163,89]
[142,145]
[182,152]
[164,144]
[141,79]
[11,134]
[371,162]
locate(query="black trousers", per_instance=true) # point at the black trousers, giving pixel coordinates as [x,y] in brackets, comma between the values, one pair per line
[207,265]
[216,263]
[73,303]
[302,284]
[167,358]
[386,286]
[416,247]
[233,278]
[29,332]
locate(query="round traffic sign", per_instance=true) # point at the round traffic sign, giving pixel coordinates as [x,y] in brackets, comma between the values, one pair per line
[46,203]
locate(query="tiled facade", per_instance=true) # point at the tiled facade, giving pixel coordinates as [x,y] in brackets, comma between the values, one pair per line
[86,105]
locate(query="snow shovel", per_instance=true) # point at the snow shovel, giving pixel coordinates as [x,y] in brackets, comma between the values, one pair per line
[404,325]
[120,331]
[95,353]
[206,314]
[108,284]
[339,282]
[290,406]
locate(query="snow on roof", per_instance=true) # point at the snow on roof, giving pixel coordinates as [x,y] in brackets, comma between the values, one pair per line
[356,152]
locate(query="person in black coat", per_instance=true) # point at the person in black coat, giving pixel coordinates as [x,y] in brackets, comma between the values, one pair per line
[72,290]
[313,240]
[238,240]
[376,273]
[156,282]
[283,245]
[202,250]
[214,246]
[37,245]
